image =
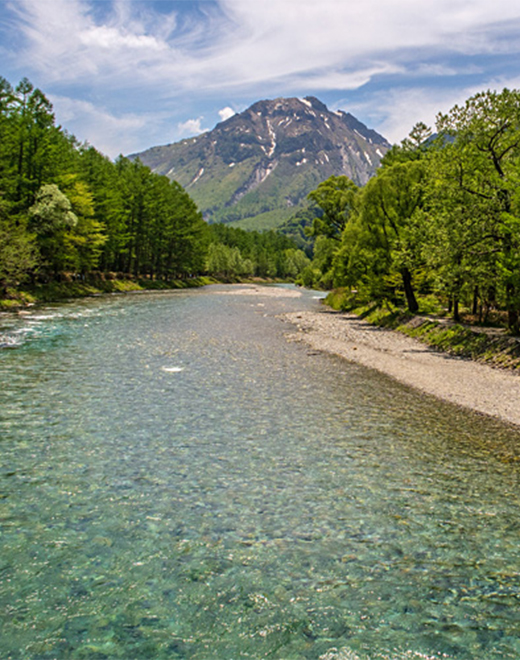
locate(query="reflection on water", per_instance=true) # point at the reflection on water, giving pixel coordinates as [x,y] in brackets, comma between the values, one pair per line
[179,481]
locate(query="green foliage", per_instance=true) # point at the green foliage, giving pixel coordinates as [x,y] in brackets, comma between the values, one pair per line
[66,209]
[96,284]
[85,243]
[413,147]
[263,221]
[477,184]
[298,226]
[495,348]
[335,197]
[235,253]
[456,339]
[17,250]
[439,225]
[52,220]
[390,211]
[227,262]
[51,211]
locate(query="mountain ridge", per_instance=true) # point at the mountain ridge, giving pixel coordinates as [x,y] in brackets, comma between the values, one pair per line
[259,165]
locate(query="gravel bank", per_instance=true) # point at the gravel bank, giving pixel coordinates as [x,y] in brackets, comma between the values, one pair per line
[464,382]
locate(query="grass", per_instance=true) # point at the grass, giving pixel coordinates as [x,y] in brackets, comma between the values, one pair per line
[58,291]
[492,346]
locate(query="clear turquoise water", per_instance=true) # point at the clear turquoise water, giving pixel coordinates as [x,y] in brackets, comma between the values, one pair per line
[180,481]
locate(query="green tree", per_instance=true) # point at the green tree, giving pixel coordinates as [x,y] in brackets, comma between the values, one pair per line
[51,219]
[101,176]
[18,254]
[85,211]
[227,262]
[6,135]
[34,139]
[335,197]
[389,209]
[414,147]
[187,236]
[86,237]
[295,263]
[479,171]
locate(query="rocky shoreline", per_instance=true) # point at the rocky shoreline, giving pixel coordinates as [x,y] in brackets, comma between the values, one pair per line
[479,387]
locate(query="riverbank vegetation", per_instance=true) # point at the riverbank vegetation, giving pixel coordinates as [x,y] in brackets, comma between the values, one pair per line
[437,230]
[94,284]
[488,344]
[73,220]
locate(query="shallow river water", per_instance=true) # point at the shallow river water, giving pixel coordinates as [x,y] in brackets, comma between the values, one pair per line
[180,481]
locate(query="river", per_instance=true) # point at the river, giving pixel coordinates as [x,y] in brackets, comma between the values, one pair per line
[178,480]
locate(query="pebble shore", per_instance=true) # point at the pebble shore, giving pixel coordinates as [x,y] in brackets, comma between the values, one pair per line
[461,381]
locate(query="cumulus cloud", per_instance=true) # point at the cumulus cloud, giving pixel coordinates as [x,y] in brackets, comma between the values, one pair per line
[191,127]
[226,113]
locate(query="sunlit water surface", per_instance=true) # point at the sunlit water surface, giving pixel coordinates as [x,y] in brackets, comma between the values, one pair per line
[180,481]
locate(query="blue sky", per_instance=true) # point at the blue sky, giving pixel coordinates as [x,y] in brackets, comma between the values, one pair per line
[125,75]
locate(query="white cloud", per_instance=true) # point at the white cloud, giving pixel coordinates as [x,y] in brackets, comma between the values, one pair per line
[125,58]
[404,108]
[226,113]
[191,127]
[394,113]
[111,134]
[285,37]
[254,42]
[115,39]
[343,80]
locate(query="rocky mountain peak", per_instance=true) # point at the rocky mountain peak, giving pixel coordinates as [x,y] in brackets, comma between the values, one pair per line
[266,159]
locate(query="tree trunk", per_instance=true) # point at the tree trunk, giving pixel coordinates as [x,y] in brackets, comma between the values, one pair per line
[513,320]
[475,301]
[408,291]
[456,313]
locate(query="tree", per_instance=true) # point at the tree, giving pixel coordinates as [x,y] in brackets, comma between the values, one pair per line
[295,262]
[389,209]
[32,120]
[482,174]
[51,218]
[6,134]
[335,197]
[84,211]
[102,178]
[86,238]
[180,235]
[18,255]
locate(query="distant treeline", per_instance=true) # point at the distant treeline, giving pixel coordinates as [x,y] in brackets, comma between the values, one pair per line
[439,225]
[236,253]
[67,210]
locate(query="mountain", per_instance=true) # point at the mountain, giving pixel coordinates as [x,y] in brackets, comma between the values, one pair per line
[256,168]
